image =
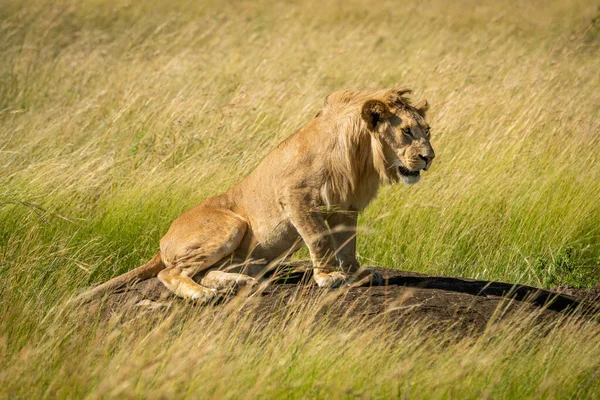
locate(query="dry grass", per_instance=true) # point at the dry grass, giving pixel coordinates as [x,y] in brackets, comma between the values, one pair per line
[117,116]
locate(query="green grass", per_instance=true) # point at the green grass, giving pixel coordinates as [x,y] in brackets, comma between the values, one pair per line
[117,116]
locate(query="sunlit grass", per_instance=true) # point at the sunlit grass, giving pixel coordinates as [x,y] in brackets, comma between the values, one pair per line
[117,116]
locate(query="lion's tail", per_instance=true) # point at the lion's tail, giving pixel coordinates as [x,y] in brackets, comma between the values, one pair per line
[146,271]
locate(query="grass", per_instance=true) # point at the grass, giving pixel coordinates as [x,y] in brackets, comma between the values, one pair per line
[117,116]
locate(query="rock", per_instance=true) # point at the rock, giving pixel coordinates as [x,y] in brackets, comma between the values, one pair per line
[463,304]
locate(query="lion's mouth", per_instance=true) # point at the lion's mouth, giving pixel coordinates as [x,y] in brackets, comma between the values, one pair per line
[406,172]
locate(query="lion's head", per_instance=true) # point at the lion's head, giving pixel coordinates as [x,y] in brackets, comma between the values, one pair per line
[403,133]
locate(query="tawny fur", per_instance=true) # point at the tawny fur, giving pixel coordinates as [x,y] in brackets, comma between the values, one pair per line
[309,190]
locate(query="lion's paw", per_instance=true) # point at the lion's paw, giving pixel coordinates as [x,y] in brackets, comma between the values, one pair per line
[367,277]
[331,280]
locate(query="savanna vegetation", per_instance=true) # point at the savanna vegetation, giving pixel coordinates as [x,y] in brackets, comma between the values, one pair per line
[116,116]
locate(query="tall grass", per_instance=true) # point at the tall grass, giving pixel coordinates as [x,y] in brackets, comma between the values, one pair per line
[232,352]
[117,116]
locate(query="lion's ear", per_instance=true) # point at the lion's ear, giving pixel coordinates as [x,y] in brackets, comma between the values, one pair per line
[375,111]
[400,92]
[422,107]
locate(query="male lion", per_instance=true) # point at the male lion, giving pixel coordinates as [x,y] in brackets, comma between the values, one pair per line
[309,189]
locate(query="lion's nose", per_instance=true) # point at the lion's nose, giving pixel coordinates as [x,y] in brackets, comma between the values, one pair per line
[427,158]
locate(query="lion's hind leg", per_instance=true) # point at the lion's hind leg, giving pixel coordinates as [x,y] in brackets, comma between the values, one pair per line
[193,245]
[178,282]
[227,281]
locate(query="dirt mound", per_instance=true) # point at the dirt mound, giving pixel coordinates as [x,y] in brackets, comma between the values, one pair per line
[464,304]
[591,295]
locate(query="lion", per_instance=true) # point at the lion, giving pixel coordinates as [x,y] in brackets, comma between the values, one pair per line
[308,190]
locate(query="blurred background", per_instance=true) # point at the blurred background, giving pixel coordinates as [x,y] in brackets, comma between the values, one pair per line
[116,116]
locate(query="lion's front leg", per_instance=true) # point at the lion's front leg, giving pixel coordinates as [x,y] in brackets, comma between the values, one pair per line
[343,226]
[310,224]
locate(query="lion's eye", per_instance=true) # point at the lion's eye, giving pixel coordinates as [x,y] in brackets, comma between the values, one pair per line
[427,130]
[407,132]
